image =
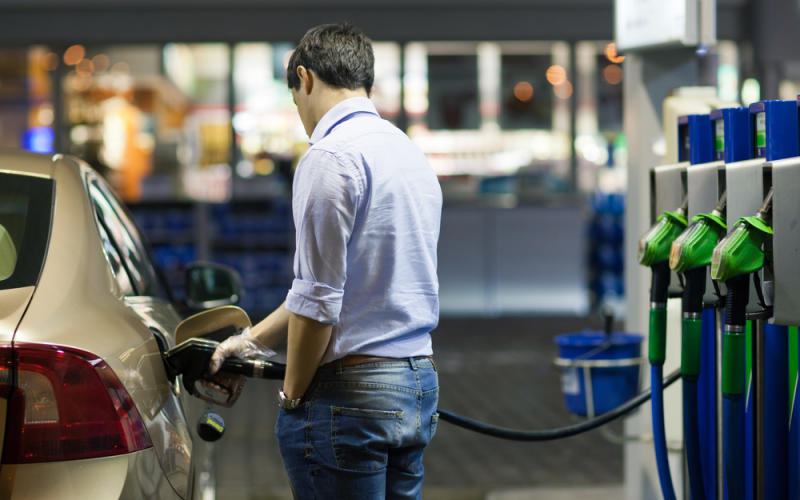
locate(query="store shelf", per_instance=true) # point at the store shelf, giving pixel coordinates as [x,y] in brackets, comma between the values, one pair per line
[254,237]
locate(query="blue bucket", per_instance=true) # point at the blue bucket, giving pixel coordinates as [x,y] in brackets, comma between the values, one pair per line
[611,385]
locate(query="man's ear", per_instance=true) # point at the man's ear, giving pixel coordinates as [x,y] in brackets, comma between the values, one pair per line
[306,79]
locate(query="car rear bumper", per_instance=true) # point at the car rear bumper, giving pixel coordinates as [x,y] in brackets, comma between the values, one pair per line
[131,476]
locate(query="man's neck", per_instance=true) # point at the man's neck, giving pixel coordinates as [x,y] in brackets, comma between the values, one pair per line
[330,97]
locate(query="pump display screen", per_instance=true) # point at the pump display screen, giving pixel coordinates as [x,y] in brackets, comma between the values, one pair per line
[719,139]
[761,135]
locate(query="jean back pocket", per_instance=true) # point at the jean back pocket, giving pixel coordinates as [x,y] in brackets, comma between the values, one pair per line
[361,438]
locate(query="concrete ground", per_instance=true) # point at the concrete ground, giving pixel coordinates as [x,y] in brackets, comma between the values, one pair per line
[498,370]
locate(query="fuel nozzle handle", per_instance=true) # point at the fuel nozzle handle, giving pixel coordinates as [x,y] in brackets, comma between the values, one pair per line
[736,302]
[254,368]
[734,340]
[659,288]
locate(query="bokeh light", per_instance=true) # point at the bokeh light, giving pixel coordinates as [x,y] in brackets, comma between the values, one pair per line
[85,67]
[556,75]
[751,91]
[101,62]
[563,91]
[523,91]
[81,83]
[51,61]
[612,74]
[74,54]
[121,67]
[612,55]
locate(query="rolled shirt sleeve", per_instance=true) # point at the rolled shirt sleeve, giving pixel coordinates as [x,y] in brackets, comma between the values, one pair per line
[325,198]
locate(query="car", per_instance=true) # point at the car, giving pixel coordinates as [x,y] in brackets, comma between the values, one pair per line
[88,406]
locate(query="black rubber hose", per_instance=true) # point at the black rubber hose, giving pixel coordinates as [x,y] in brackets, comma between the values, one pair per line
[738,296]
[659,286]
[695,289]
[551,434]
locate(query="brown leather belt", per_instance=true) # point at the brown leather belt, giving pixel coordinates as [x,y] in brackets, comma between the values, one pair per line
[362,359]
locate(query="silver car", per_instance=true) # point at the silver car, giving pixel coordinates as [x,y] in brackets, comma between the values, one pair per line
[88,407]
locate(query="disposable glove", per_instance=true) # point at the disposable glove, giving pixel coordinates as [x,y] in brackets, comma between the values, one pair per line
[244,346]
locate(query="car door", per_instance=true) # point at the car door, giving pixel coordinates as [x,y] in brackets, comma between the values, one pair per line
[147,297]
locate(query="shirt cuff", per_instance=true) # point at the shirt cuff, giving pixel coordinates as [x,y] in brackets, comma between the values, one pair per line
[315,300]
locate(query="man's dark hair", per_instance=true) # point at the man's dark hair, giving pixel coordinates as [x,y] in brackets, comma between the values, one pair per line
[340,54]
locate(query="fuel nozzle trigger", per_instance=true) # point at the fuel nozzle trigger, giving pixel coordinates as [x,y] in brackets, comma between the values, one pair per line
[191,357]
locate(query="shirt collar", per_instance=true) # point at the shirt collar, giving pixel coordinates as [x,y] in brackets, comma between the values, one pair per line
[338,112]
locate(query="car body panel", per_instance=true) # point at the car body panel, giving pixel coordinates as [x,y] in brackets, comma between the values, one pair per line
[77,299]
[134,476]
[12,306]
[22,162]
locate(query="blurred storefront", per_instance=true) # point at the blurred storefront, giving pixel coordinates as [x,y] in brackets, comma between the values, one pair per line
[212,121]
[201,139]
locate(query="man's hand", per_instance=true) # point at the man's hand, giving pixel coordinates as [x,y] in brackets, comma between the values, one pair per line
[245,346]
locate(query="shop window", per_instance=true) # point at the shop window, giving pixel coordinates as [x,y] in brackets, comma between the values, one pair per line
[121,115]
[527,96]
[453,92]
[386,90]
[201,73]
[26,107]
[269,134]
[609,94]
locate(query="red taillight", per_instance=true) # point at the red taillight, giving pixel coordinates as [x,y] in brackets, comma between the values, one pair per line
[67,404]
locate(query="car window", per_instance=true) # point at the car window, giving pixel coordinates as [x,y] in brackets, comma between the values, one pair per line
[123,237]
[26,208]
[115,262]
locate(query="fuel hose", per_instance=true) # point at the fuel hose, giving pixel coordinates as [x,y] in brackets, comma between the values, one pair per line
[657,354]
[733,385]
[277,370]
[691,327]
[557,433]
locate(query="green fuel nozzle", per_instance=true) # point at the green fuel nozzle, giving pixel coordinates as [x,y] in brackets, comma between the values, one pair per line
[655,245]
[654,250]
[735,257]
[695,245]
[690,253]
[740,251]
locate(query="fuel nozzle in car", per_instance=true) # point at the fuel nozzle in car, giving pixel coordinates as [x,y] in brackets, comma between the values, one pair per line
[197,337]
[191,357]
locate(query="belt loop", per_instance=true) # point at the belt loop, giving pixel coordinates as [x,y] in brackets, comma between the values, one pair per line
[339,366]
[413,363]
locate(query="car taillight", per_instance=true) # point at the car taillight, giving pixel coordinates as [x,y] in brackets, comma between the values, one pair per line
[66,404]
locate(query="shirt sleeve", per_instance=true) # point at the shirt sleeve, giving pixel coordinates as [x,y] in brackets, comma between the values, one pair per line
[325,198]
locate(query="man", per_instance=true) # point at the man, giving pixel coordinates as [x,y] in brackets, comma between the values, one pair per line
[358,404]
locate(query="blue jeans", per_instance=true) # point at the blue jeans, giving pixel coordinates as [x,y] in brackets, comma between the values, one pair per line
[361,431]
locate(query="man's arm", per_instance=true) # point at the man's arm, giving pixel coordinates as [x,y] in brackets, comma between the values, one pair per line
[307,341]
[272,330]
[254,341]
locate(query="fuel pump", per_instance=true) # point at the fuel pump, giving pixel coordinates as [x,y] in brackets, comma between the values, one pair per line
[701,331]
[737,256]
[739,261]
[786,303]
[701,185]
